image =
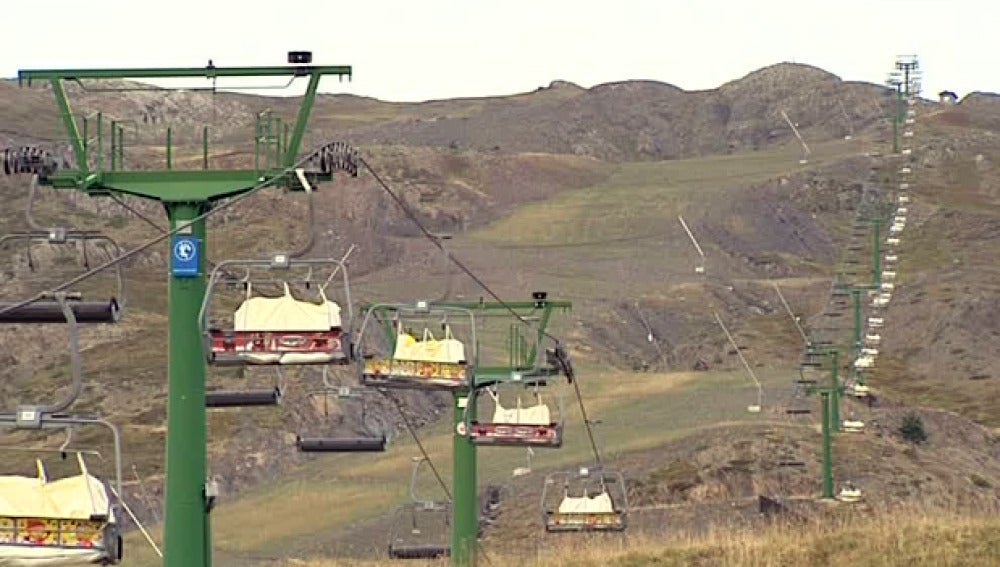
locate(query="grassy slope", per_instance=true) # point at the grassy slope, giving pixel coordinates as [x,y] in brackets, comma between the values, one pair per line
[902,539]
[333,493]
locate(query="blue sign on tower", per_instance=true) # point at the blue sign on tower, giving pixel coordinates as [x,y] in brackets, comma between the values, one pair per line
[184,258]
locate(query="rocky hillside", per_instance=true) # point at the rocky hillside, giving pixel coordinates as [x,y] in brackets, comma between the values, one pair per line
[641,120]
[465,164]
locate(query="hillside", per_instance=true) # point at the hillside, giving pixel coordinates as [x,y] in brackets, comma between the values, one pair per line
[574,191]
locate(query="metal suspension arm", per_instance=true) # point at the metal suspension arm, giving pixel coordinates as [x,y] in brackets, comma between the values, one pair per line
[29,75]
[74,358]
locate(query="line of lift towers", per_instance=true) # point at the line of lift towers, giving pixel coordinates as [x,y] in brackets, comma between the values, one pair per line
[862,293]
[426,345]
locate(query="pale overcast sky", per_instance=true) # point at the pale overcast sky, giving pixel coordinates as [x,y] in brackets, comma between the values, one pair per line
[430,49]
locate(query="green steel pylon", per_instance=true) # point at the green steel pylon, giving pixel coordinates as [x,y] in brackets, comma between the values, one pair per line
[185,194]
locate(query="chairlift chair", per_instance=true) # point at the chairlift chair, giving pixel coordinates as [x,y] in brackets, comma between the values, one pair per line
[428,522]
[242,398]
[421,346]
[801,379]
[516,425]
[251,397]
[849,493]
[585,500]
[48,309]
[421,531]
[279,329]
[864,362]
[859,390]
[70,521]
[367,443]
[853,426]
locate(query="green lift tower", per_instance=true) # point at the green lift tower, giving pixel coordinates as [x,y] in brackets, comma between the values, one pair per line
[186,196]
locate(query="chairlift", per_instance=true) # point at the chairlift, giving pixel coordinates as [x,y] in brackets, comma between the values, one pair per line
[414,527]
[849,493]
[798,411]
[516,422]
[48,309]
[858,389]
[888,275]
[901,210]
[801,379]
[876,322]
[892,241]
[891,258]
[421,346]
[884,297]
[252,397]
[369,442]
[864,362]
[526,469]
[873,339]
[277,329]
[908,134]
[68,521]
[585,500]
[853,425]
[422,528]
[904,199]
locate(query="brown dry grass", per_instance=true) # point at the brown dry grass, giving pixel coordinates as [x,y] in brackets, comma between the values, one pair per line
[917,537]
